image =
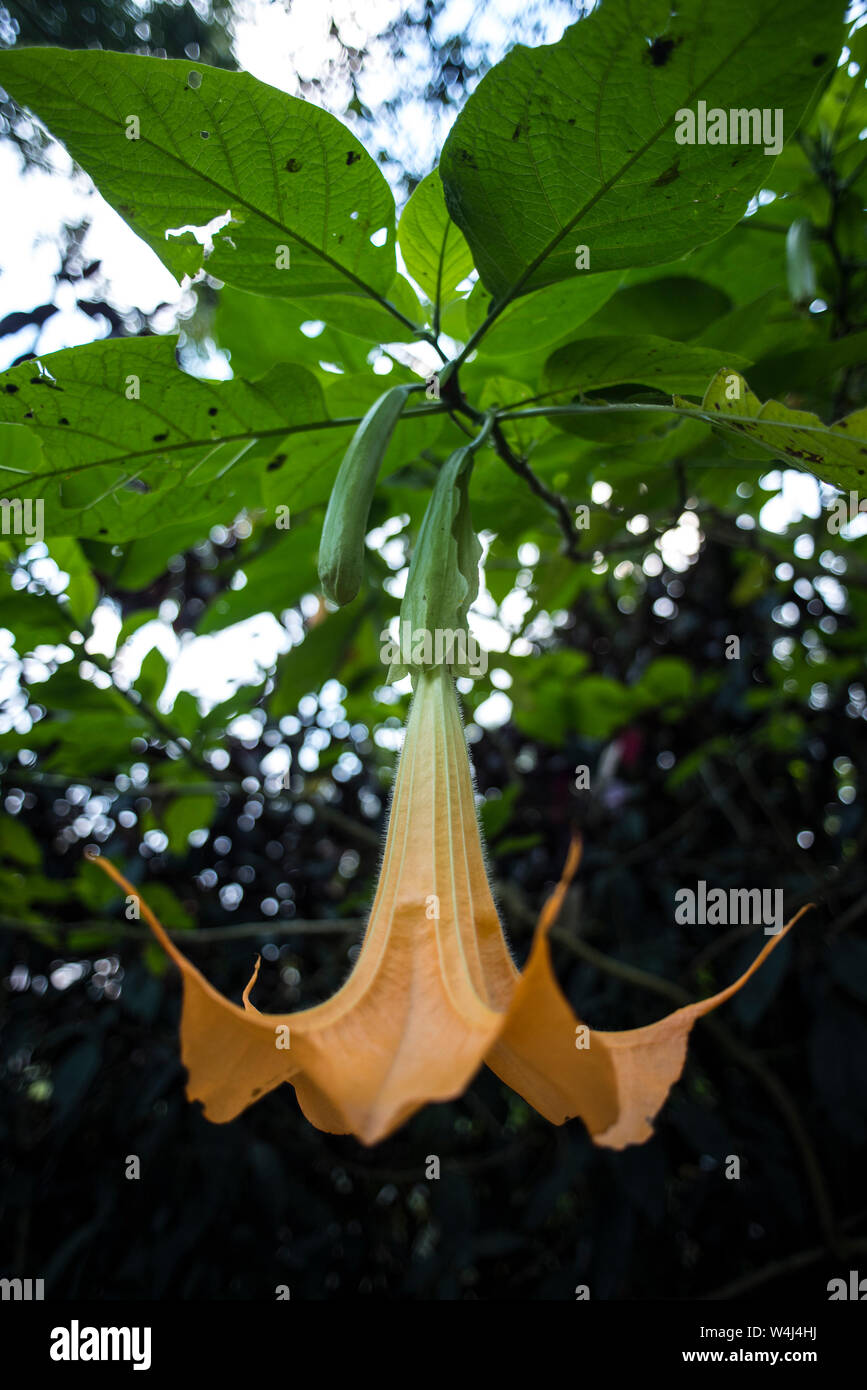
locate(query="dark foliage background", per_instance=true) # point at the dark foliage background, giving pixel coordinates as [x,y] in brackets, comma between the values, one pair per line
[719,787]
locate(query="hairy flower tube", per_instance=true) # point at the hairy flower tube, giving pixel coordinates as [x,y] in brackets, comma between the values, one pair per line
[434,992]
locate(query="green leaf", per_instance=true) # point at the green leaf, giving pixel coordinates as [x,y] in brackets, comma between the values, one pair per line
[434,249]
[120,466]
[590,364]
[81,591]
[18,844]
[495,812]
[835,453]
[185,716]
[808,368]
[258,330]
[151,679]
[184,812]
[32,618]
[306,668]
[600,706]
[765,325]
[744,262]
[209,143]
[574,143]
[542,692]
[541,319]
[167,907]
[140,562]
[86,730]
[676,306]
[20,449]
[276,578]
[668,679]
[497,393]
[133,622]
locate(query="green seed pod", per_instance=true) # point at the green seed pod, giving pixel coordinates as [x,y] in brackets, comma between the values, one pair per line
[341,550]
[799,264]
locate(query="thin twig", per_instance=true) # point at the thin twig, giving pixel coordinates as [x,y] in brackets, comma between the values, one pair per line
[552,500]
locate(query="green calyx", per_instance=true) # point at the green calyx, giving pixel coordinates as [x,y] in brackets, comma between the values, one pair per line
[443,577]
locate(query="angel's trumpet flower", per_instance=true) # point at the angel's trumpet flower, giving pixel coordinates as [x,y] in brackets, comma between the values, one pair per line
[434,992]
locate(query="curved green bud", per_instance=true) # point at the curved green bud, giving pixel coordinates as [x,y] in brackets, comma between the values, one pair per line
[799,264]
[341,550]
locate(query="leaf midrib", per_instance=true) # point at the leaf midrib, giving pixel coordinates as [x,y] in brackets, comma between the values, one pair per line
[514,289]
[272,432]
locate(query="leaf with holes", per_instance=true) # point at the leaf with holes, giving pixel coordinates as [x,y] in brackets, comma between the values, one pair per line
[174,145]
[130,441]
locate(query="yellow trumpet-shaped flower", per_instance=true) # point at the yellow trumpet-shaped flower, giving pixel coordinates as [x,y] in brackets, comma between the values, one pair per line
[434,992]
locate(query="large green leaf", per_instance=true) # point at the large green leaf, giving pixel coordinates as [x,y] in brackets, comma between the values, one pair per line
[18,844]
[31,618]
[211,142]
[574,143]
[81,590]
[747,260]
[136,564]
[120,467]
[674,306]
[20,449]
[257,332]
[808,368]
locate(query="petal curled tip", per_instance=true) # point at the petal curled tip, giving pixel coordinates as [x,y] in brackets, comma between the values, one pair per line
[575,855]
[245,997]
[706,1005]
[551,910]
[156,926]
[108,869]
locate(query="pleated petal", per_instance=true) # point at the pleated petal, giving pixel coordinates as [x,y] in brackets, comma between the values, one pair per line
[434,992]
